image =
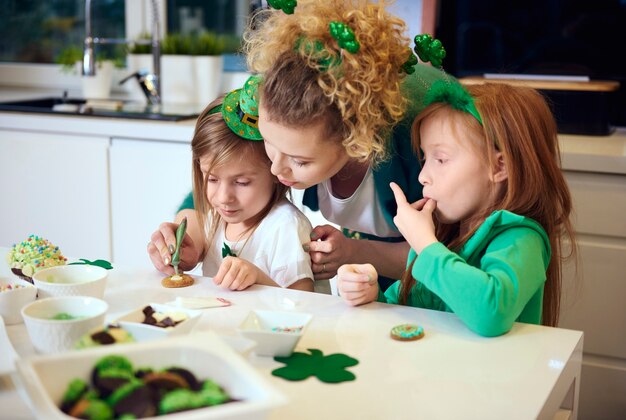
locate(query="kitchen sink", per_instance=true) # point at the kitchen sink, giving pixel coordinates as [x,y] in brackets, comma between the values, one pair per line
[104,108]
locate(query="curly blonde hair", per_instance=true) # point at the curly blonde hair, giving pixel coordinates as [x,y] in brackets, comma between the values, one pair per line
[357,95]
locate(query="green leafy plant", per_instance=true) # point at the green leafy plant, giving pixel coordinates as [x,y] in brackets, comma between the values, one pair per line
[143,47]
[176,44]
[70,55]
[207,43]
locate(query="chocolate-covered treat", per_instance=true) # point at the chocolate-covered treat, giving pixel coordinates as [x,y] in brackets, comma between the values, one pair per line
[92,409]
[188,376]
[177,400]
[134,398]
[121,393]
[106,381]
[75,390]
[110,373]
[111,334]
[165,381]
[163,319]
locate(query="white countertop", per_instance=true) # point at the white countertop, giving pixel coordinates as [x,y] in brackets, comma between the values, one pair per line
[602,154]
[450,373]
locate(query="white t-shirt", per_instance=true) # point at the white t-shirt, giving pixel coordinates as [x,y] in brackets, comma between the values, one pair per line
[275,246]
[360,212]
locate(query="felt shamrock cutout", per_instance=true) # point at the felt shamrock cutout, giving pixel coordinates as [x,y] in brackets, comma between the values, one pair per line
[329,368]
[344,36]
[429,49]
[99,263]
[286,6]
[409,65]
[227,252]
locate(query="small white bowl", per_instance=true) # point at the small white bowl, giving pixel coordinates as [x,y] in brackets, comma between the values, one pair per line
[133,322]
[71,280]
[276,333]
[50,335]
[12,301]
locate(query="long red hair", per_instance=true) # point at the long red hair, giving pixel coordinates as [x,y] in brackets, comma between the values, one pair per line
[518,123]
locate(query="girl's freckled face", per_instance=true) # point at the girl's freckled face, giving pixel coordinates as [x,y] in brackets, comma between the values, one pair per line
[301,156]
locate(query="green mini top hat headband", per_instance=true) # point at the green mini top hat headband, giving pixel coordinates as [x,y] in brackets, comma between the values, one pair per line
[240,110]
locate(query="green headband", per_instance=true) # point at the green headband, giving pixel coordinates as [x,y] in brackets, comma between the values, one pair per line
[240,110]
[452,93]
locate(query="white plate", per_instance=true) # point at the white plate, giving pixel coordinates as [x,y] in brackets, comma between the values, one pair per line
[133,322]
[45,378]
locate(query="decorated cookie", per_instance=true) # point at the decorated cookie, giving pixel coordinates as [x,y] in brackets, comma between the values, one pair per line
[177,280]
[33,254]
[407,332]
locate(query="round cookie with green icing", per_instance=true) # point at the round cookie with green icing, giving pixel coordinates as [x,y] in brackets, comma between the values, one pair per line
[407,332]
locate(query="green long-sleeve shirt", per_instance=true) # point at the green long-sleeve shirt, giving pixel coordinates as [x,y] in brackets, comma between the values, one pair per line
[497,277]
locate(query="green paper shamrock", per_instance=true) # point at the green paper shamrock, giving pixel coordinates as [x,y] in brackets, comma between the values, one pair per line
[429,49]
[409,65]
[344,36]
[99,263]
[286,6]
[329,368]
[227,252]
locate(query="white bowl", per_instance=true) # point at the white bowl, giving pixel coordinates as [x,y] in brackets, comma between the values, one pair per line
[52,335]
[133,322]
[71,280]
[45,378]
[12,301]
[276,333]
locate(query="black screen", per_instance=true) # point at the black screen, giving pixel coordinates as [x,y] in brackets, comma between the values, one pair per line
[566,37]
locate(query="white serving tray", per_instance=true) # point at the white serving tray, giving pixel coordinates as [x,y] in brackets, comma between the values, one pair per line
[45,378]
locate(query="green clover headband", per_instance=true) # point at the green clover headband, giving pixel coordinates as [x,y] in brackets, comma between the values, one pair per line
[286,6]
[428,50]
[240,110]
[345,36]
[452,93]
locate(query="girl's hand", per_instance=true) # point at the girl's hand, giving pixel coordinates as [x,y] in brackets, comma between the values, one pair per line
[357,283]
[236,274]
[415,220]
[329,249]
[163,244]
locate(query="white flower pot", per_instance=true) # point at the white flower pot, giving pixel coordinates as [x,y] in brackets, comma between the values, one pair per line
[98,86]
[178,79]
[208,73]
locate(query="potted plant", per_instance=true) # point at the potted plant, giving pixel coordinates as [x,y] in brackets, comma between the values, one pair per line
[207,49]
[93,87]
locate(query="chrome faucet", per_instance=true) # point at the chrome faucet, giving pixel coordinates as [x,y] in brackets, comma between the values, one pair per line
[89,68]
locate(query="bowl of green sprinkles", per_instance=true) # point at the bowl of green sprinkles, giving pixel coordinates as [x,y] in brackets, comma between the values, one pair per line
[55,324]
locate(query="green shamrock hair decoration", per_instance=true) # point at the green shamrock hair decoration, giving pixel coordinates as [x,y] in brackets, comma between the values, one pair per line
[286,6]
[345,36]
[409,65]
[455,95]
[429,49]
[318,51]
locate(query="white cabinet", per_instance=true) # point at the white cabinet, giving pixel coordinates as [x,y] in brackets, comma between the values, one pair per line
[149,180]
[593,300]
[55,186]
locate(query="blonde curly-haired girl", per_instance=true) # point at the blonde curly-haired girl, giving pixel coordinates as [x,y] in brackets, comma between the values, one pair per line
[337,123]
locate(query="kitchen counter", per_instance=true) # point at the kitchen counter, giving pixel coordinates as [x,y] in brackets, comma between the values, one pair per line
[601,154]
